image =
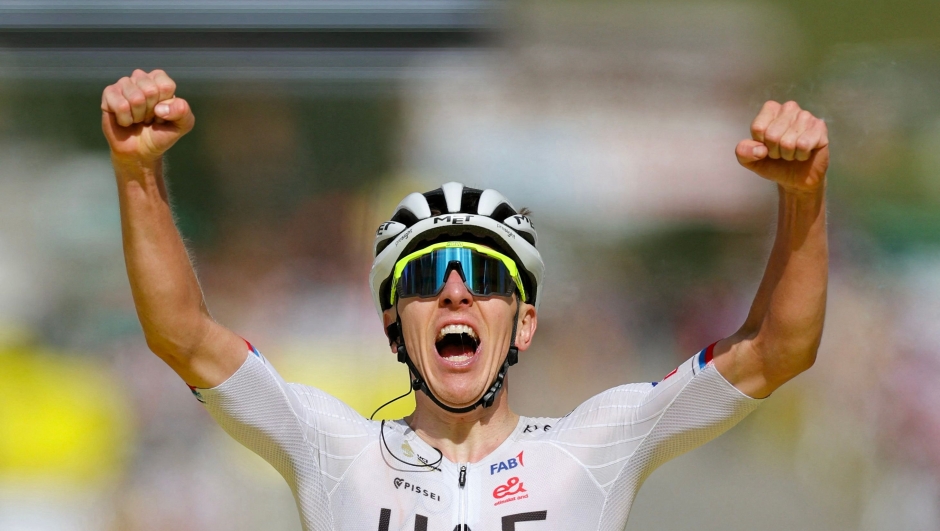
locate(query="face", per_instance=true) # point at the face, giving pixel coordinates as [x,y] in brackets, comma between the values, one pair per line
[459,341]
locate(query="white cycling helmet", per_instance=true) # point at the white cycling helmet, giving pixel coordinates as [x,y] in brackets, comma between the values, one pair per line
[453,212]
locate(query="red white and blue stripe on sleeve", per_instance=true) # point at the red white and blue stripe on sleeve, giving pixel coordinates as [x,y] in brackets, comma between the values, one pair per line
[195,390]
[700,361]
[253,350]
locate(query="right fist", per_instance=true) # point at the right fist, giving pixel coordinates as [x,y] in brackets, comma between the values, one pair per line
[141,117]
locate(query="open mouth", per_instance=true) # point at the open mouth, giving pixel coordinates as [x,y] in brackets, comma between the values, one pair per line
[457,343]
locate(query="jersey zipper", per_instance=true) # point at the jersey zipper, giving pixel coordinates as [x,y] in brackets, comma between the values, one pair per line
[462,494]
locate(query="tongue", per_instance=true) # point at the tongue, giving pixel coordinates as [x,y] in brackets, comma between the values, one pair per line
[455,349]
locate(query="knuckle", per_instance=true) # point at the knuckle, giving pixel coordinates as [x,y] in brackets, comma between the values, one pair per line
[123,106]
[150,90]
[772,136]
[137,98]
[791,106]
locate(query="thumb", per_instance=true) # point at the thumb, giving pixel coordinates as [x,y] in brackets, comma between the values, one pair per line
[749,152]
[175,110]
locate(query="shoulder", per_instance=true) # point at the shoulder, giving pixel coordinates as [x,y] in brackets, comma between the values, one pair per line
[613,402]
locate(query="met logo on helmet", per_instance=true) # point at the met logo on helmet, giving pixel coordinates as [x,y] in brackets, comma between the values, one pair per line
[508,464]
[519,218]
[453,220]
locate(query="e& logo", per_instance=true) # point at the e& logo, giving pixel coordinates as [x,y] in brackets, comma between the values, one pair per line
[511,488]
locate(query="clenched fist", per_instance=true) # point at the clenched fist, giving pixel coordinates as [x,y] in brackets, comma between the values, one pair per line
[789,146]
[142,118]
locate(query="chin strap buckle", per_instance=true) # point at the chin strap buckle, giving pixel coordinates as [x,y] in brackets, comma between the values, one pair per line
[402,354]
[512,357]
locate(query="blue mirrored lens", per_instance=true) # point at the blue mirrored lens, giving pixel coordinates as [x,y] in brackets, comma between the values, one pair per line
[483,275]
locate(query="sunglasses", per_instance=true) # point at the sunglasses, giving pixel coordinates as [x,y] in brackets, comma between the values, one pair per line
[484,271]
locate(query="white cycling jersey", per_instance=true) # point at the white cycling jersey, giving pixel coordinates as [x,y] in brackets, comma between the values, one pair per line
[579,472]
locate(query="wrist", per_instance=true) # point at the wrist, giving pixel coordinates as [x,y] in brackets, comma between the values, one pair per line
[802,204]
[811,194]
[135,163]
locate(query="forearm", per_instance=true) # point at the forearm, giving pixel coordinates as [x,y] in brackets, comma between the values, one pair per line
[784,325]
[166,293]
[141,118]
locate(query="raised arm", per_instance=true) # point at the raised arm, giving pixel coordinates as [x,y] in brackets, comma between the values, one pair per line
[783,329]
[141,119]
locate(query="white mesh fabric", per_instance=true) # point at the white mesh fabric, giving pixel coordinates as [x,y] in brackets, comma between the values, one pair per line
[702,407]
[580,472]
[306,434]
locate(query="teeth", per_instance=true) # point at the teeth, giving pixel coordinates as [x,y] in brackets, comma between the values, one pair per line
[456,329]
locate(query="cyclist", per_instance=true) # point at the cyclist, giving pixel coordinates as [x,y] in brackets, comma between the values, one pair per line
[457,280]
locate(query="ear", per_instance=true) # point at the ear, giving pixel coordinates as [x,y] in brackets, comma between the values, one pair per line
[525,328]
[389,317]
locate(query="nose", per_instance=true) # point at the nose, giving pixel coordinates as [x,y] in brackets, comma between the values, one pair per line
[455,292]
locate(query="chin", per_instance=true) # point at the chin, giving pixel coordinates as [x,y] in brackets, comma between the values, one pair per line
[458,391]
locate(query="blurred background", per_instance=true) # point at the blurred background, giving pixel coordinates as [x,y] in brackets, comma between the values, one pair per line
[615,122]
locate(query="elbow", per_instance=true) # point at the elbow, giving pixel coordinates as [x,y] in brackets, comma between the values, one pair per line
[803,352]
[161,346]
[804,360]
[783,358]
[789,361]
[176,342]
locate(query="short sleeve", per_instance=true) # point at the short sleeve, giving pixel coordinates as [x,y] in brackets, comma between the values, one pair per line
[258,409]
[310,437]
[691,406]
[631,429]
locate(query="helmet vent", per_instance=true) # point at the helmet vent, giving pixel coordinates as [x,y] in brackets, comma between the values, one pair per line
[470,201]
[436,201]
[502,212]
[405,217]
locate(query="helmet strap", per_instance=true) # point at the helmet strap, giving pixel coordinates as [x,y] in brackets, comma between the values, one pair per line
[418,383]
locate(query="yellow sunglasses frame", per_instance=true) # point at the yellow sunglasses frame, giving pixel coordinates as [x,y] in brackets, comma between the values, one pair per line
[508,262]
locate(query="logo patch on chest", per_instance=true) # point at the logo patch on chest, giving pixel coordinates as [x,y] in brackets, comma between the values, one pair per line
[401,484]
[508,464]
[513,490]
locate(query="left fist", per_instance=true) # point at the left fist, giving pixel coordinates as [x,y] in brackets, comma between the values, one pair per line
[789,146]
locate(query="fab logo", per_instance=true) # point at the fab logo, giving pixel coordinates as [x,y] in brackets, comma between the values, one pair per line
[508,464]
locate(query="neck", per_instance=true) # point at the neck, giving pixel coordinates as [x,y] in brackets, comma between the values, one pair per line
[466,437]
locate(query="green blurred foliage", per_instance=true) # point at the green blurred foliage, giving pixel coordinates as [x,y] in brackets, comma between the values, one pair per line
[339,142]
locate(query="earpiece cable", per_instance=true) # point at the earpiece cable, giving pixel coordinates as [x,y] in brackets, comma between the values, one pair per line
[440,455]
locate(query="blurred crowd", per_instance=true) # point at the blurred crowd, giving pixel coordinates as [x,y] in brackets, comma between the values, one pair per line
[616,126]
